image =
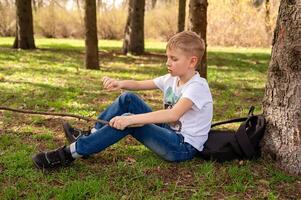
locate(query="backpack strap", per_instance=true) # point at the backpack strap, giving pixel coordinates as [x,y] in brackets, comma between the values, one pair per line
[229,121]
[250,114]
[244,141]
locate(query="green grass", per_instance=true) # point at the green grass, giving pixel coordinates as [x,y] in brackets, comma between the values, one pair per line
[52,78]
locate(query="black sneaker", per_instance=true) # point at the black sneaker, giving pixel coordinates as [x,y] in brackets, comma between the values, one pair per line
[73,133]
[53,159]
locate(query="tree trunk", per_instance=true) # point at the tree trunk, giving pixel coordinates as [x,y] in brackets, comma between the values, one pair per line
[267,19]
[91,41]
[181,15]
[24,25]
[34,5]
[154,2]
[40,3]
[198,24]
[99,5]
[79,11]
[134,30]
[282,100]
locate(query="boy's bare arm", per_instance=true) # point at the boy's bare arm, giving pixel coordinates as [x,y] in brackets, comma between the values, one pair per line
[160,116]
[138,85]
[113,84]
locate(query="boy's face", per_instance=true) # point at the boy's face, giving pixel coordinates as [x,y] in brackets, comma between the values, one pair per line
[179,63]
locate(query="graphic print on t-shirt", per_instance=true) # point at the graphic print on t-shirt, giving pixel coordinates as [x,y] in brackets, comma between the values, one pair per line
[170,99]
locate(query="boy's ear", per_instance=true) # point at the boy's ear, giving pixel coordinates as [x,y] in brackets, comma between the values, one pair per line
[194,61]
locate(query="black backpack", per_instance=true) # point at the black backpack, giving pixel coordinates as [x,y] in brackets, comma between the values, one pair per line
[225,145]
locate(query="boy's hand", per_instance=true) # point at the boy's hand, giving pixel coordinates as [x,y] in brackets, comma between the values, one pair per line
[120,122]
[111,84]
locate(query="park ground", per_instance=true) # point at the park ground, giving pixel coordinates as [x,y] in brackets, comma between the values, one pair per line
[52,78]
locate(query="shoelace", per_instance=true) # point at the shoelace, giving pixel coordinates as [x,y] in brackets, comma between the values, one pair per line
[56,157]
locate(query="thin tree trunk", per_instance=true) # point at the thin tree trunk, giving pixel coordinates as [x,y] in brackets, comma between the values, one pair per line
[40,3]
[79,11]
[181,15]
[52,26]
[198,24]
[134,30]
[91,41]
[154,2]
[34,5]
[127,29]
[24,25]
[99,5]
[268,26]
[282,100]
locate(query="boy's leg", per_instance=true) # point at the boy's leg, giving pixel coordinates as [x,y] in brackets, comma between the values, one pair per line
[84,146]
[164,142]
[97,141]
[125,103]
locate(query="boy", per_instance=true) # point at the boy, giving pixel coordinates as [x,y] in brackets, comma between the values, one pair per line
[175,133]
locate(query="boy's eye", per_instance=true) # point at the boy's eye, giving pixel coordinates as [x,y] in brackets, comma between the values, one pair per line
[174,59]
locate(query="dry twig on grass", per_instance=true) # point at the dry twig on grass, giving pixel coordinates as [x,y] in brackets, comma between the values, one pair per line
[53,114]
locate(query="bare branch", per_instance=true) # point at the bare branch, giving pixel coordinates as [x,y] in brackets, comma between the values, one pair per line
[53,114]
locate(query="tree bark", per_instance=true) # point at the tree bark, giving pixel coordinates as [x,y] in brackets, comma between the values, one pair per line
[91,41]
[24,25]
[181,15]
[134,30]
[282,100]
[198,24]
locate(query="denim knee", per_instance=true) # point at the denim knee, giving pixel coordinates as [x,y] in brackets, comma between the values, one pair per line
[127,97]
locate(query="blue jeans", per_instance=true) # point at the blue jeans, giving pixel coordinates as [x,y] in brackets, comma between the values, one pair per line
[157,137]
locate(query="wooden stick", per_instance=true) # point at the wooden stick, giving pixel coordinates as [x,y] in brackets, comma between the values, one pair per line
[54,114]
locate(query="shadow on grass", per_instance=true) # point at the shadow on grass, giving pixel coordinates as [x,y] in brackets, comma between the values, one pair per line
[240,62]
[150,64]
[62,52]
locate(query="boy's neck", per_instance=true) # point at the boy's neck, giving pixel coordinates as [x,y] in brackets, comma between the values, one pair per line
[185,78]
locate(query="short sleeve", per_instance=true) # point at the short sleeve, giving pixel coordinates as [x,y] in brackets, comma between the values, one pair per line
[198,93]
[160,81]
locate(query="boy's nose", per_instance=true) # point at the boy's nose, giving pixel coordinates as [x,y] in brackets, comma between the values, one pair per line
[167,63]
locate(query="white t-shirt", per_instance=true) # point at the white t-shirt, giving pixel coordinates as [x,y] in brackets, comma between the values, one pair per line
[195,124]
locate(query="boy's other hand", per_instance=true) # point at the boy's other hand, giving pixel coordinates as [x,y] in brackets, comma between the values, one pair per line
[111,84]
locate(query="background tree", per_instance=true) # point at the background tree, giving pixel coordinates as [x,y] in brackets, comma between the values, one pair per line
[99,5]
[198,24]
[24,25]
[267,19]
[282,100]
[79,10]
[91,41]
[154,2]
[37,4]
[181,15]
[134,29]
[267,16]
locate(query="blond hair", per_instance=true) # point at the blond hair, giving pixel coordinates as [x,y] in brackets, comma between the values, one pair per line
[189,42]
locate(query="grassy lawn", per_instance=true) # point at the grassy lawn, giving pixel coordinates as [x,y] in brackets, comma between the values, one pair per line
[52,78]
